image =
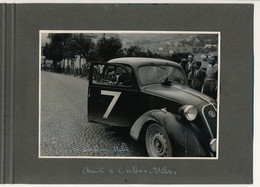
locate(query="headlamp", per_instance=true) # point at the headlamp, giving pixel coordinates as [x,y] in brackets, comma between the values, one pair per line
[213,145]
[190,112]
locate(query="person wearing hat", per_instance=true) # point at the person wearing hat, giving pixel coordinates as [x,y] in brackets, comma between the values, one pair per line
[210,82]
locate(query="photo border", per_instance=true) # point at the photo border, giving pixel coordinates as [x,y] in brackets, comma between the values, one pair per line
[130,32]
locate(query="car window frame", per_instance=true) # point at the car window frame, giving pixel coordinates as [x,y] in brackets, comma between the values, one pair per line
[133,86]
[181,69]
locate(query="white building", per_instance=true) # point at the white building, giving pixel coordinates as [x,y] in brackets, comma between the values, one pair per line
[74,63]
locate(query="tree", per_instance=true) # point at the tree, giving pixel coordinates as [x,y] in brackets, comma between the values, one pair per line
[92,55]
[56,49]
[70,50]
[83,46]
[53,51]
[154,55]
[46,51]
[108,48]
[135,51]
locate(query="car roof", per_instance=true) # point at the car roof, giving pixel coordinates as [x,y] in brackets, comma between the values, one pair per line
[139,61]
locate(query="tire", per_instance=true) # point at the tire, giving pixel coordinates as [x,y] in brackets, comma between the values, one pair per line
[157,142]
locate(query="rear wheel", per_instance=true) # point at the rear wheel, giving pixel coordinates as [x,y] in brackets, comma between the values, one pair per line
[157,142]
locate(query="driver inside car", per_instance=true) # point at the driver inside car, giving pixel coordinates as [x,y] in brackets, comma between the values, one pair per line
[124,79]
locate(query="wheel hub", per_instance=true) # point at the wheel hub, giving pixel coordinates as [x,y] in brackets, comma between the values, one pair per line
[159,144]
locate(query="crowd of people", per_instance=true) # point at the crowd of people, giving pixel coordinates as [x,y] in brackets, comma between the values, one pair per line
[202,79]
[69,70]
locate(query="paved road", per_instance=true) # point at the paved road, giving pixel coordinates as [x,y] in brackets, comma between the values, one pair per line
[64,129]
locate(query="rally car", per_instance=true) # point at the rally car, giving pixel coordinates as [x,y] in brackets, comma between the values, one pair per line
[152,97]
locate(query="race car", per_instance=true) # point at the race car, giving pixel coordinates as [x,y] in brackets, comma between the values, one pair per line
[153,98]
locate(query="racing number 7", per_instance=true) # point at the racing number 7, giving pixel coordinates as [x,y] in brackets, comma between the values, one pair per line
[113,102]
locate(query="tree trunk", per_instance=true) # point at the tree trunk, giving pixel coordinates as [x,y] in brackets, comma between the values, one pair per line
[79,65]
[63,64]
[79,62]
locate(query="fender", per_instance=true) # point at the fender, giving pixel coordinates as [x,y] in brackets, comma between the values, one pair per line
[183,140]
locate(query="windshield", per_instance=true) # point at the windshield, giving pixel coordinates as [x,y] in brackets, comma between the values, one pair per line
[158,74]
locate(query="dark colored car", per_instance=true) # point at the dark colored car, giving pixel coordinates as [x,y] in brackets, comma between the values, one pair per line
[152,96]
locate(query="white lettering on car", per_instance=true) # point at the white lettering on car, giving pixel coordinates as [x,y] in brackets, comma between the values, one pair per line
[113,102]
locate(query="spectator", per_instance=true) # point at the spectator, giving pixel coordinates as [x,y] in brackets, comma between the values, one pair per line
[183,63]
[189,69]
[210,82]
[76,71]
[204,58]
[189,64]
[68,69]
[198,76]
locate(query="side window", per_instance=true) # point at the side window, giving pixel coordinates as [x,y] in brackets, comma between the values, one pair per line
[112,75]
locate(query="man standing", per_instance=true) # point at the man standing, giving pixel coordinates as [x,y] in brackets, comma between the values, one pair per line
[189,64]
[210,82]
[189,67]
[183,63]
[197,77]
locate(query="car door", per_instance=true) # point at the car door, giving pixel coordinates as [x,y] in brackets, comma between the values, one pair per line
[113,95]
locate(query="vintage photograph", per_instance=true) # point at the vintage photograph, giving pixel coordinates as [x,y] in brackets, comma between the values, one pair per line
[129,94]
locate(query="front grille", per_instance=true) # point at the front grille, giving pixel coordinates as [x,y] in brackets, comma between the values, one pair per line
[210,116]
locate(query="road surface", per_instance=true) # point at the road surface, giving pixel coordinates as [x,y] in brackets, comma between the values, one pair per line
[64,129]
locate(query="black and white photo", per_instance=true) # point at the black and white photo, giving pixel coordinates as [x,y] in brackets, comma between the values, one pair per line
[129,94]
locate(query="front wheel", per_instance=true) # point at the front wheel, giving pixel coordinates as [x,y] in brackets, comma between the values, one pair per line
[157,142]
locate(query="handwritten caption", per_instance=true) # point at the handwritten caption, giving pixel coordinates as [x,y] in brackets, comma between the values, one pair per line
[131,170]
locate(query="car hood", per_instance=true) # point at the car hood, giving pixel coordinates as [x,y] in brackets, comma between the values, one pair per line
[177,92]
